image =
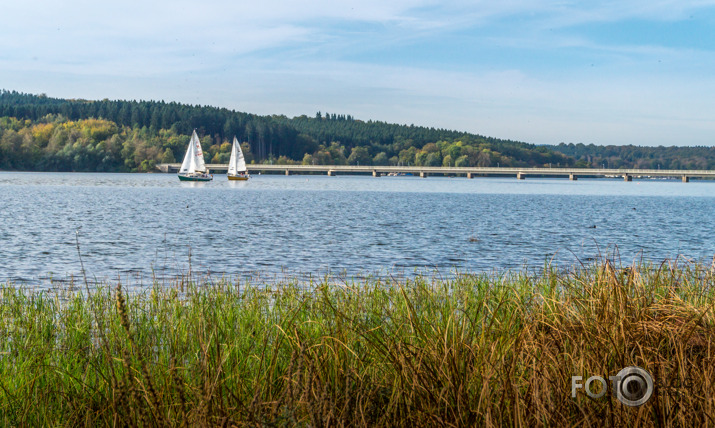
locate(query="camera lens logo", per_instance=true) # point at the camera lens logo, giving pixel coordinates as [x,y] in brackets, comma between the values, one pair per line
[635,386]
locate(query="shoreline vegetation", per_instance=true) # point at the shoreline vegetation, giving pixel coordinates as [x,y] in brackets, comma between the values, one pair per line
[473,350]
[41,133]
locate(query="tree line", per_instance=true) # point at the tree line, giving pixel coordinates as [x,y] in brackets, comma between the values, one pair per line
[42,133]
[639,157]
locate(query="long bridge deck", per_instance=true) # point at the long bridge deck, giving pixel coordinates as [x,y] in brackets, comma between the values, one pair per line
[469,172]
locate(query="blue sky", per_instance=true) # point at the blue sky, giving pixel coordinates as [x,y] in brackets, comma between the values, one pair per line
[613,72]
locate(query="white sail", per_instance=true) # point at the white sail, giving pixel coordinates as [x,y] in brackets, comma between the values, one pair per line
[237,163]
[194,158]
[241,164]
[187,166]
[234,158]
[198,154]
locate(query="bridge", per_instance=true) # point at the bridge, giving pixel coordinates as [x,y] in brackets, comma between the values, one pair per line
[469,172]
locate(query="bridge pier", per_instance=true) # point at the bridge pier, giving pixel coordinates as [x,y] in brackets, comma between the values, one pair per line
[423,174]
[470,175]
[287,172]
[627,177]
[686,179]
[375,173]
[520,176]
[330,173]
[573,177]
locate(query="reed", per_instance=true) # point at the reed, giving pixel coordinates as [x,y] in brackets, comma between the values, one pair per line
[473,349]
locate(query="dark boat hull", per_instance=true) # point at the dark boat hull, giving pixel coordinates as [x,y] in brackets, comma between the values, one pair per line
[195,178]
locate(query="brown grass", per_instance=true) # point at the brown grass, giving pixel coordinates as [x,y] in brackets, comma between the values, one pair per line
[474,350]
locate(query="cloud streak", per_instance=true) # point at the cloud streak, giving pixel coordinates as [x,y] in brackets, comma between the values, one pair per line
[523,69]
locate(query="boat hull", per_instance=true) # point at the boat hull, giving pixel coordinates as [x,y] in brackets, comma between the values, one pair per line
[194,178]
[238,177]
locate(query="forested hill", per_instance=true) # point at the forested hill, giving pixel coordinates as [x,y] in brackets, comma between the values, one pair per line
[51,134]
[593,156]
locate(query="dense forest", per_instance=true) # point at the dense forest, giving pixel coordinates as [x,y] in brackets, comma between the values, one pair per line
[592,156]
[50,134]
[40,133]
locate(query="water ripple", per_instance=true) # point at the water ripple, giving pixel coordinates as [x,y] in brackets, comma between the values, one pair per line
[139,224]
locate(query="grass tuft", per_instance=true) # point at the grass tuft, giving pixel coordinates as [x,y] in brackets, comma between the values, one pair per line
[473,349]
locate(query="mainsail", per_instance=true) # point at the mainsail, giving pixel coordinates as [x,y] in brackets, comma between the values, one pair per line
[237,164]
[194,158]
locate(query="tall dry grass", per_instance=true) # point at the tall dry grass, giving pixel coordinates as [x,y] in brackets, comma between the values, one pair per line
[473,350]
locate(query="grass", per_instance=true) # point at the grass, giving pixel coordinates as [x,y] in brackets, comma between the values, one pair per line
[485,349]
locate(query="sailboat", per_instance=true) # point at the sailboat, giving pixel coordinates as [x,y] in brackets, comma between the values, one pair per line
[193,168]
[237,165]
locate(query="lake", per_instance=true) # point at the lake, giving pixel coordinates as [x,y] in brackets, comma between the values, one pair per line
[135,226]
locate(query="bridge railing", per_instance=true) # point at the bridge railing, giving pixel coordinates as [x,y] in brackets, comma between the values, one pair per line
[468,171]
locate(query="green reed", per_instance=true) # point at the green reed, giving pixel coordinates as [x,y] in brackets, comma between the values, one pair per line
[472,349]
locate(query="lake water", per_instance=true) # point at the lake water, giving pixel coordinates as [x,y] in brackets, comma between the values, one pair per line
[133,226]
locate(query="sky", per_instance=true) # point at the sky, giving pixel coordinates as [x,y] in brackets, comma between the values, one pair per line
[540,71]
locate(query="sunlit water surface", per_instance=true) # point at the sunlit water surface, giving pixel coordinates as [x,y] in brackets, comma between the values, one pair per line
[142,226]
